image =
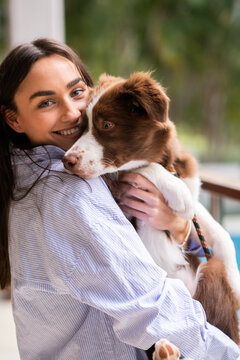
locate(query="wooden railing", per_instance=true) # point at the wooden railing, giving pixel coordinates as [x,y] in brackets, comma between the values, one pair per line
[219,186]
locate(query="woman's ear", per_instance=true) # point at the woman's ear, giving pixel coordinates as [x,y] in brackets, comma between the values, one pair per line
[11,119]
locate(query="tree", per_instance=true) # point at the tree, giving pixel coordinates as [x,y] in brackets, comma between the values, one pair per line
[193,46]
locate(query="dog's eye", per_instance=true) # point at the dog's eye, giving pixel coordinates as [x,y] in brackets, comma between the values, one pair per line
[107,125]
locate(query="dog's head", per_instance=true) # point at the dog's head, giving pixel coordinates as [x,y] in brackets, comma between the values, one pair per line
[126,126]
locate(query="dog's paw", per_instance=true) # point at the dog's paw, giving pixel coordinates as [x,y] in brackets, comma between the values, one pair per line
[175,192]
[164,350]
[179,198]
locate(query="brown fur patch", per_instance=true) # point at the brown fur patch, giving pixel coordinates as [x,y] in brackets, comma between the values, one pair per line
[137,110]
[218,299]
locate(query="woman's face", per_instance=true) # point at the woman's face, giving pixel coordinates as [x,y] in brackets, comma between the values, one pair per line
[50,103]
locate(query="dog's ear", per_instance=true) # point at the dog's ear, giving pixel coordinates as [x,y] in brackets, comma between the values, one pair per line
[146,95]
[131,102]
[106,80]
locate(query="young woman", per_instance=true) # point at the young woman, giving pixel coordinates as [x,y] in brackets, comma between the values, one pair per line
[83,285]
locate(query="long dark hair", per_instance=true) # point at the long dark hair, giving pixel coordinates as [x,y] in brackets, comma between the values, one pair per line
[13,71]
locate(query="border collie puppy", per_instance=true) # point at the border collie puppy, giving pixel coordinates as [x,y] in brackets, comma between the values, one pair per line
[126,127]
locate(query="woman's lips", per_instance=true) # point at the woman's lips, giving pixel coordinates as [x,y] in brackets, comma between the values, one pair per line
[70,133]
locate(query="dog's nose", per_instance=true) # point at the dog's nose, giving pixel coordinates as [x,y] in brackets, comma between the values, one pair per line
[69,161]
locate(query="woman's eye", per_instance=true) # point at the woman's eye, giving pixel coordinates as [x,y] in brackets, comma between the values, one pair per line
[45,103]
[77,92]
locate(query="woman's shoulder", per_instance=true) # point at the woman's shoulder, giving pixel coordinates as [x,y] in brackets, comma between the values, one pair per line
[42,171]
[43,165]
[41,156]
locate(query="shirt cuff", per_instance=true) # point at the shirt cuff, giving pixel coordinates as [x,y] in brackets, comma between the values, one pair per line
[194,248]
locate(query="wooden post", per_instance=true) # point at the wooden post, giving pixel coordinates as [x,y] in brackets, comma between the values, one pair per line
[216,207]
[30,19]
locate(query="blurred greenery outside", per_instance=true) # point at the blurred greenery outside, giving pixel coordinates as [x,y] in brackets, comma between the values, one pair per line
[192,47]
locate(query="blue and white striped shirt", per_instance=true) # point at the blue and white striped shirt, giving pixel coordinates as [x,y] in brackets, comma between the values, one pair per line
[83,284]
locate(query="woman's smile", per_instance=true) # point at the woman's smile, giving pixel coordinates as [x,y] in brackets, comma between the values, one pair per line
[70,132]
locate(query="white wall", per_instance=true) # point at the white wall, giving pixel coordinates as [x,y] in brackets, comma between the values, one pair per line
[30,19]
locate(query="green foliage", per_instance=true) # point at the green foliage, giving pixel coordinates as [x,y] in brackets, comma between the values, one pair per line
[3,27]
[192,45]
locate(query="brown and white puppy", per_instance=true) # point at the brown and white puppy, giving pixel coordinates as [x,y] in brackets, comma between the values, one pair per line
[126,127]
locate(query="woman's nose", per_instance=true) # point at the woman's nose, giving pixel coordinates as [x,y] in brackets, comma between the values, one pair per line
[70,110]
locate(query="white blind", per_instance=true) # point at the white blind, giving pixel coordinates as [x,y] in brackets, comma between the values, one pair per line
[30,19]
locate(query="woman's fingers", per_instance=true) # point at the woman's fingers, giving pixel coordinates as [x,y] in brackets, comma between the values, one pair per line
[140,205]
[129,191]
[140,198]
[139,195]
[137,180]
[140,187]
[135,213]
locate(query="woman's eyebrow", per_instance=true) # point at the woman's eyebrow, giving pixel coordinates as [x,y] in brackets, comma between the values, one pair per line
[74,82]
[42,93]
[51,92]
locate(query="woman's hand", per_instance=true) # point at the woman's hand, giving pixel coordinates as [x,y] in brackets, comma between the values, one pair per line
[140,198]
